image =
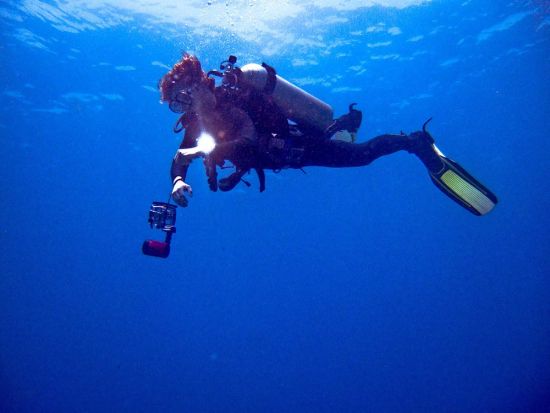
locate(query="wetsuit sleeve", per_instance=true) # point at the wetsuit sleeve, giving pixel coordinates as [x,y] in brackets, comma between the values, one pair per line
[339,154]
[180,166]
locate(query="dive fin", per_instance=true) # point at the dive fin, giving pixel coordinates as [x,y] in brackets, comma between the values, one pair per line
[455,182]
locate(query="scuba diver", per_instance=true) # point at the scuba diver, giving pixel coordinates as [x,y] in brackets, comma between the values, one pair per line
[257,120]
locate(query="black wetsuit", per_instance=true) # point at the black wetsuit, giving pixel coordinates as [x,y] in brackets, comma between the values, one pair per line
[281,146]
[295,146]
[311,151]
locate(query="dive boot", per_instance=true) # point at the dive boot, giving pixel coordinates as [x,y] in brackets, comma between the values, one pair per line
[451,178]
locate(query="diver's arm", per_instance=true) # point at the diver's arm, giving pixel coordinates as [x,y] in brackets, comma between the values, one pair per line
[179,186]
[178,169]
[180,165]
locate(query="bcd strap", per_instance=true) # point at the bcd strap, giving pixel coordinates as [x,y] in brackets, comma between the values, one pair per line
[271,79]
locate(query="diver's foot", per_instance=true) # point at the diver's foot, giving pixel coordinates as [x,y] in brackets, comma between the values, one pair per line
[420,141]
[422,145]
[230,182]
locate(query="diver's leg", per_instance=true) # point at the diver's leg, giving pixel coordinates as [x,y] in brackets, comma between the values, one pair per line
[446,174]
[341,154]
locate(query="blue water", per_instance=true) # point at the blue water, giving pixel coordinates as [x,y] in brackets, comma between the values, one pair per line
[338,290]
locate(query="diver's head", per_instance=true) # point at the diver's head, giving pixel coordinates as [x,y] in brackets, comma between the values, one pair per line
[186,86]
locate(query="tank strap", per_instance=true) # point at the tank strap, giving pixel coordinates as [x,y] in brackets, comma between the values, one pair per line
[271,79]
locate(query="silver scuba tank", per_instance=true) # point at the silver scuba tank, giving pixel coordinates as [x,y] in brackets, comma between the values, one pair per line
[296,104]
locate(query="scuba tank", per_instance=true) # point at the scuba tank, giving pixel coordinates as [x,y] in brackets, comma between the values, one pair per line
[295,103]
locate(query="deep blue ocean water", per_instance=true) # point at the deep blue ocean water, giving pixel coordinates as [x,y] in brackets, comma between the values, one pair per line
[338,290]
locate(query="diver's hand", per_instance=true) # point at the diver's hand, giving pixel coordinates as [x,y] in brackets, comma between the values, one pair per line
[179,190]
[190,152]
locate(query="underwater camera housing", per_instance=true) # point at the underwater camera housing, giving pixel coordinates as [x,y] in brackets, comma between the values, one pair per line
[161,216]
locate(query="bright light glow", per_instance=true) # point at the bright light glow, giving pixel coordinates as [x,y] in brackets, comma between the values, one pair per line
[206,143]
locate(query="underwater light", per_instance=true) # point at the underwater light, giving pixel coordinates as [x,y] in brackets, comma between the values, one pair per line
[206,143]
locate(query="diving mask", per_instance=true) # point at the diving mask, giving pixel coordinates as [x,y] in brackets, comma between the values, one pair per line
[182,102]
